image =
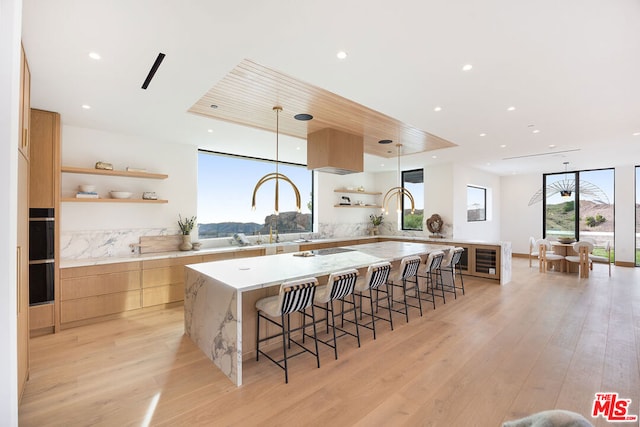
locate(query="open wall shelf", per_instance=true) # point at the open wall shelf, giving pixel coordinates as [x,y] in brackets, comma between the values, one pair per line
[130,174]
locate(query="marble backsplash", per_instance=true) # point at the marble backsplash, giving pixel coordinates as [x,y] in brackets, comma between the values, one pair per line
[116,243]
[105,243]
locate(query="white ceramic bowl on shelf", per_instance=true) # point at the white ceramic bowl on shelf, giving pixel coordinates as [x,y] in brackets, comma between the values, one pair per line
[87,188]
[120,194]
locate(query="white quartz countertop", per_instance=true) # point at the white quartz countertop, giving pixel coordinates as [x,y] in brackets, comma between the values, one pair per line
[82,262]
[252,273]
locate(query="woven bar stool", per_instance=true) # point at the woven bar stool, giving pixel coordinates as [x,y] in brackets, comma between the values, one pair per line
[377,276]
[407,280]
[433,277]
[448,272]
[294,296]
[340,287]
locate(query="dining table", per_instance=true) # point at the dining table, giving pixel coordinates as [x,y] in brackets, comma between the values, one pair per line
[220,296]
[565,249]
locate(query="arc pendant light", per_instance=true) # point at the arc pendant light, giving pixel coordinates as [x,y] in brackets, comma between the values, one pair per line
[398,191]
[277,176]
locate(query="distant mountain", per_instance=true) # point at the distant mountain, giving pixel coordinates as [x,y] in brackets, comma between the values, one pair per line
[286,222]
[561,216]
[227,229]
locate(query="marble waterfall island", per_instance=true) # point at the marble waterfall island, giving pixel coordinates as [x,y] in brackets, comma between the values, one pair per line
[219,305]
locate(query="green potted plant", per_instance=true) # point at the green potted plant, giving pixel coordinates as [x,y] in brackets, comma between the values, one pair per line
[186,225]
[376,220]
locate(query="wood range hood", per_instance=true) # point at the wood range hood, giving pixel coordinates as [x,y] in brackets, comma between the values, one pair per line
[334,151]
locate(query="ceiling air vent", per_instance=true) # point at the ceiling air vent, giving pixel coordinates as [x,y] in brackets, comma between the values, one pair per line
[153,70]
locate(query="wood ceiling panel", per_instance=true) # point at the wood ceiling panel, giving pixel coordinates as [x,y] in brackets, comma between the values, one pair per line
[247,95]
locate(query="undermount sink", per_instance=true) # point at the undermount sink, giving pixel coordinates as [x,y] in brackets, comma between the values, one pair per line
[279,248]
[332,251]
[302,241]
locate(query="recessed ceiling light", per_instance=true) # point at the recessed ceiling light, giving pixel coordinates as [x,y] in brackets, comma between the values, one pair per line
[437,108]
[636,133]
[382,164]
[385,141]
[86,107]
[210,130]
[552,145]
[94,55]
[467,67]
[341,54]
[297,148]
[536,131]
[434,157]
[488,164]
[303,117]
[483,134]
[503,146]
[511,108]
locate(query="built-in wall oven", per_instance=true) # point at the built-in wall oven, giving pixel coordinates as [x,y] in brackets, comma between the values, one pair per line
[41,255]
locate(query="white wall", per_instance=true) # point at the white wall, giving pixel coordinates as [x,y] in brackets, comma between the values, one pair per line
[446,195]
[438,196]
[84,147]
[519,221]
[510,217]
[10,28]
[625,213]
[326,197]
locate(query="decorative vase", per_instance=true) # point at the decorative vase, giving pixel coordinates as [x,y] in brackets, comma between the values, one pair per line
[375,230]
[186,243]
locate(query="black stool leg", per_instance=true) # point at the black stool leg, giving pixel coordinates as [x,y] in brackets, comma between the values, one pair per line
[333,327]
[284,347]
[315,333]
[355,317]
[389,299]
[258,337]
[373,318]
[404,294]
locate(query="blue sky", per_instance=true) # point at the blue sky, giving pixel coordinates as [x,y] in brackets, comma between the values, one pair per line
[225,186]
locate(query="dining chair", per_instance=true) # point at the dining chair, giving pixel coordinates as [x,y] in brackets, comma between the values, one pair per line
[294,296]
[534,250]
[583,249]
[339,287]
[546,256]
[602,259]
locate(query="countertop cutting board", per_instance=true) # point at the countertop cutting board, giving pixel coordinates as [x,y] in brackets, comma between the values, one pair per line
[151,244]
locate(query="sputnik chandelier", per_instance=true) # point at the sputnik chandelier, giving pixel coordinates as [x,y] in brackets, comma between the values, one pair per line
[567,186]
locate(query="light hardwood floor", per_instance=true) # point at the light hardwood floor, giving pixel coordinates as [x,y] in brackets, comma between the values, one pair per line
[500,352]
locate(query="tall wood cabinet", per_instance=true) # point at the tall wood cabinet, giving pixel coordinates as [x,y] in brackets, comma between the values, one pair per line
[22,250]
[45,159]
[45,193]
